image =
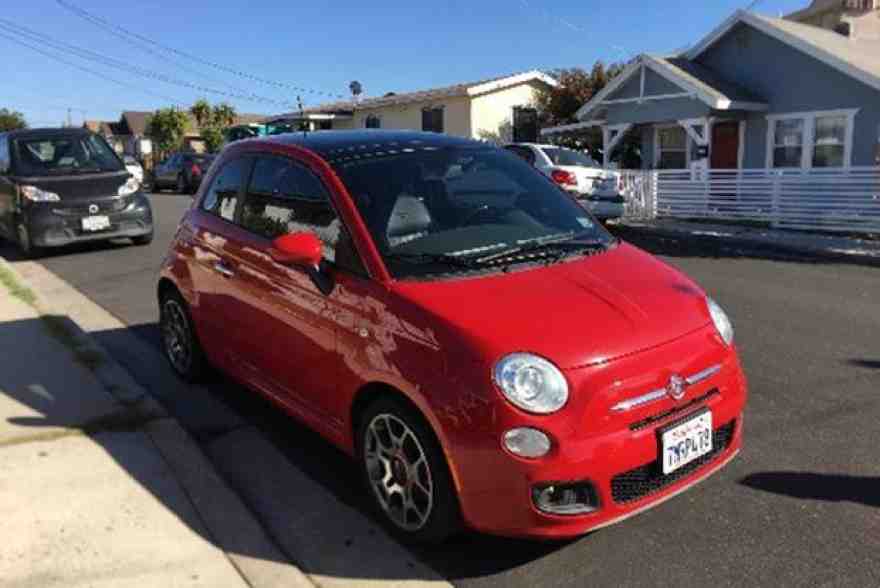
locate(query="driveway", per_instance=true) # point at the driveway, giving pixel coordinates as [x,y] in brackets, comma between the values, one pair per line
[801,505]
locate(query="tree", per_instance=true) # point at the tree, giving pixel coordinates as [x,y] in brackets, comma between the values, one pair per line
[201,111]
[213,138]
[223,115]
[11,120]
[167,128]
[212,120]
[559,105]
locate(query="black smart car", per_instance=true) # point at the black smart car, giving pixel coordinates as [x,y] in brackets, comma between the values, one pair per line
[60,186]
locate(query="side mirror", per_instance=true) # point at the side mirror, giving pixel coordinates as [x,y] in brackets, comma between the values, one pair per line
[303,249]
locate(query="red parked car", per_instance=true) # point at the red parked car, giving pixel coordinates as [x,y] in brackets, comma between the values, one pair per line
[489,354]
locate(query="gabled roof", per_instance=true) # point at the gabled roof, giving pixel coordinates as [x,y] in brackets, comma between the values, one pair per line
[858,58]
[694,80]
[430,95]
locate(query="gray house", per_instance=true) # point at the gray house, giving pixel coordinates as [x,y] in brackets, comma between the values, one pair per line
[757,92]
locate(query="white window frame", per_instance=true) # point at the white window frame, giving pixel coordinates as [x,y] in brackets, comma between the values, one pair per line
[809,143]
[687,144]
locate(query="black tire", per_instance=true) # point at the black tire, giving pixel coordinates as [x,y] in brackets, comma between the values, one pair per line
[25,245]
[155,187]
[173,311]
[182,186]
[143,239]
[442,519]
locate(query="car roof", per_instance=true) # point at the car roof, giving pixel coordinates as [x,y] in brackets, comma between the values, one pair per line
[332,145]
[46,132]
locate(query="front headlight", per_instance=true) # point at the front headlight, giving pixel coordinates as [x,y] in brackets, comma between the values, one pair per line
[34,194]
[722,323]
[129,187]
[532,383]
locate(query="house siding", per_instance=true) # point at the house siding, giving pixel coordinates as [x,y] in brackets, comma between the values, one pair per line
[655,85]
[492,114]
[792,81]
[656,110]
[456,116]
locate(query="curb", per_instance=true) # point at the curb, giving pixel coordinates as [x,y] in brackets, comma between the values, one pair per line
[215,502]
[740,236]
[86,350]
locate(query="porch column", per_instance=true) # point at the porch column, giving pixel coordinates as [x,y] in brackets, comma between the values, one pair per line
[611,136]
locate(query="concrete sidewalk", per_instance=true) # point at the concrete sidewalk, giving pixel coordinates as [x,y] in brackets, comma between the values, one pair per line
[827,247]
[98,487]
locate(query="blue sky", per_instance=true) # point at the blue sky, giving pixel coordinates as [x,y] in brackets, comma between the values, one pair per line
[393,45]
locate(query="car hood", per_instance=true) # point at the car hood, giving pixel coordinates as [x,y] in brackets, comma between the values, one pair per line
[576,313]
[79,186]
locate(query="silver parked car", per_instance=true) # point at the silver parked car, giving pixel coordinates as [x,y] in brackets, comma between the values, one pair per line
[578,173]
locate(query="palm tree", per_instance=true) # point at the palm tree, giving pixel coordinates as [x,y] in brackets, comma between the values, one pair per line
[224,115]
[201,111]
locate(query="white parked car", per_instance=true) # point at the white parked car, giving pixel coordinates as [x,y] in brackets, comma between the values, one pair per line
[596,188]
[134,168]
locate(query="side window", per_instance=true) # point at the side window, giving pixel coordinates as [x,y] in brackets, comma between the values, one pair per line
[4,155]
[222,197]
[284,197]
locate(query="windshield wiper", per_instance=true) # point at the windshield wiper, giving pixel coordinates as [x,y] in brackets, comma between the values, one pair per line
[557,249]
[443,258]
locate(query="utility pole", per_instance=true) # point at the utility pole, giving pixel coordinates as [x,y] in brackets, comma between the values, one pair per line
[69,121]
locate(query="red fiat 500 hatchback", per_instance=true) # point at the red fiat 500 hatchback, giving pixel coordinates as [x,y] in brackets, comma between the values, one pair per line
[490,355]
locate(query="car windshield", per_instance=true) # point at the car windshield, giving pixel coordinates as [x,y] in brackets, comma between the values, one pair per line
[64,154]
[441,210]
[560,156]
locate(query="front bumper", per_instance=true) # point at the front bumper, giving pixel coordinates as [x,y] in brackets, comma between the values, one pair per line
[616,453]
[54,224]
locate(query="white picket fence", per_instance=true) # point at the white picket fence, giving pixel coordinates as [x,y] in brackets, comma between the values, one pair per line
[845,200]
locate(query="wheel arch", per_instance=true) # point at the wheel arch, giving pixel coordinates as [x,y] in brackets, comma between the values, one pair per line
[371,391]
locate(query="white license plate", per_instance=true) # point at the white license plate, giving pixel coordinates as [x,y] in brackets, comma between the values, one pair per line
[686,442]
[95,223]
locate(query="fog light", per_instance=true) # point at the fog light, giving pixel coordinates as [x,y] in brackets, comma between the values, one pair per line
[565,499]
[526,442]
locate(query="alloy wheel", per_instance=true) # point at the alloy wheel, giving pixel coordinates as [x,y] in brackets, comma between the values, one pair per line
[177,336]
[399,472]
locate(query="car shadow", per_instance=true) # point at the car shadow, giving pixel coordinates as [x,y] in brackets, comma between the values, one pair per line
[721,247]
[219,408]
[811,486]
[873,364]
[12,253]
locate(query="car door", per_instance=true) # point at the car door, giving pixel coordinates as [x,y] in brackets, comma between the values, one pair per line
[166,171]
[208,231]
[7,190]
[292,323]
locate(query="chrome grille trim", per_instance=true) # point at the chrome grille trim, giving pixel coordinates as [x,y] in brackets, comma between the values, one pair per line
[660,393]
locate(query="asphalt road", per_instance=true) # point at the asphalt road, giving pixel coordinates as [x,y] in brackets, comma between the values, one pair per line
[800,506]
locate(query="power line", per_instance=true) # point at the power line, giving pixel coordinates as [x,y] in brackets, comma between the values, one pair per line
[142,46]
[89,70]
[86,54]
[120,31]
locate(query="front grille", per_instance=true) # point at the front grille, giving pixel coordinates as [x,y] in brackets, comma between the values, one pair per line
[649,478]
[104,207]
[686,407]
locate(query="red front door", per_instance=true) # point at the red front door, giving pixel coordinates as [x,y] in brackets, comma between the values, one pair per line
[725,145]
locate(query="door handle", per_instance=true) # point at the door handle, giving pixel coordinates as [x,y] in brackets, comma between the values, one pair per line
[224,270]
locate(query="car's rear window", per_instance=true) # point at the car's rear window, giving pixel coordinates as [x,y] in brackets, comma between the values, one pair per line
[560,156]
[62,154]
